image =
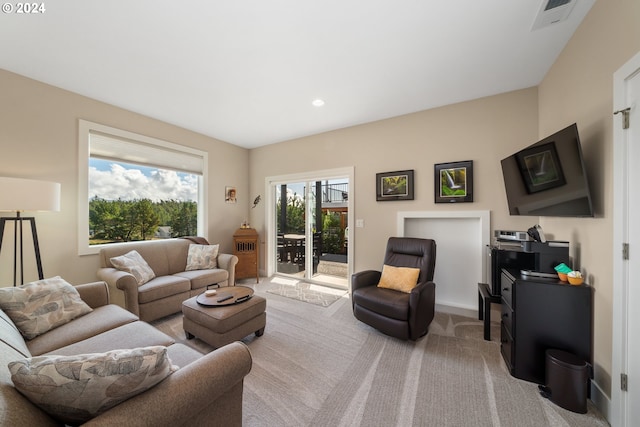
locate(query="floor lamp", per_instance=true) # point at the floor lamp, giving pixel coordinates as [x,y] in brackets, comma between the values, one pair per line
[20,195]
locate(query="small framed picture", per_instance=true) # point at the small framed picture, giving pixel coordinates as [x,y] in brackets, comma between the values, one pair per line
[394,186]
[230,194]
[540,167]
[454,182]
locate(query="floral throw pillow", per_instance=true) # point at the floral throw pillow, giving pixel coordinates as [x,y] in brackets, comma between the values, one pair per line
[75,389]
[202,257]
[40,306]
[133,263]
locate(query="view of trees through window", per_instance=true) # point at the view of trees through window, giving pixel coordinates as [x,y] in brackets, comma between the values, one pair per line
[130,202]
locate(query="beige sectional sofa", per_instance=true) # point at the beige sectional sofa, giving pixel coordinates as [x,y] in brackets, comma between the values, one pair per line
[205,390]
[164,294]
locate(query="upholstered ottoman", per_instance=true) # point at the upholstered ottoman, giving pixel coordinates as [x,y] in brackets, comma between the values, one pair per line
[221,325]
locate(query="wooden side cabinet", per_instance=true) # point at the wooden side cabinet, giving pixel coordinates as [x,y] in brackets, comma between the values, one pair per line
[245,247]
[541,314]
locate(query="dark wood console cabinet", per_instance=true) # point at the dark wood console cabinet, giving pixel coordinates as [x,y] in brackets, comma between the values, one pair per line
[541,314]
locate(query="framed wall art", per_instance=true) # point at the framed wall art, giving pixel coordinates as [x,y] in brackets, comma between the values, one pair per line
[394,185]
[230,194]
[453,182]
[540,168]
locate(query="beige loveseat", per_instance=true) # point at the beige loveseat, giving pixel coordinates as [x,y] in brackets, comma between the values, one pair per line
[205,390]
[164,294]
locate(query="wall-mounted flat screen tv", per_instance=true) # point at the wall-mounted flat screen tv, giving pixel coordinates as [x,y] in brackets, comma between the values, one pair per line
[548,178]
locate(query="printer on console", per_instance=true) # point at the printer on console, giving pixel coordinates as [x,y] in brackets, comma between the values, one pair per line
[528,252]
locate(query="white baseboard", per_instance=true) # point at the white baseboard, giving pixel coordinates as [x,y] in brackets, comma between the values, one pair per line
[460,311]
[601,400]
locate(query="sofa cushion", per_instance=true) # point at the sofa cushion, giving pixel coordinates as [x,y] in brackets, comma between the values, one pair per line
[101,319]
[385,302]
[162,287]
[133,263]
[202,278]
[176,252]
[10,335]
[202,257]
[15,409]
[75,389]
[181,355]
[40,306]
[401,279]
[131,335]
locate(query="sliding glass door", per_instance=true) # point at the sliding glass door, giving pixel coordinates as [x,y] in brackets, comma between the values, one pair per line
[291,228]
[311,220]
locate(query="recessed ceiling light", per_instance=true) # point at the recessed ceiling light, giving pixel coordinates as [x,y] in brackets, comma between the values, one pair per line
[317,103]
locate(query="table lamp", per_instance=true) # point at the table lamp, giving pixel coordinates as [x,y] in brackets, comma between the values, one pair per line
[20,195]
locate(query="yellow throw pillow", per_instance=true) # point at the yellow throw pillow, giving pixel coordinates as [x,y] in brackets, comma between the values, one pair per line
[401,279]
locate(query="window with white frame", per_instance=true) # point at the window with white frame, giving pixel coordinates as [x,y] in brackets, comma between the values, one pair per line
[133,187]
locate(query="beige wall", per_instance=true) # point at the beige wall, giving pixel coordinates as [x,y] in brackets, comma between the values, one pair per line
[39,140]
[579,88]
[484,130]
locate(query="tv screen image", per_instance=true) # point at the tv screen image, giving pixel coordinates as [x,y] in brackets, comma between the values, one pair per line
[548,178]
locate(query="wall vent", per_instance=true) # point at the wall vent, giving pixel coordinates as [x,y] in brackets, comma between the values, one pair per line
[552,11]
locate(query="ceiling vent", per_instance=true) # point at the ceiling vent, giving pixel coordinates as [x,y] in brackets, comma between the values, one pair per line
[552,11]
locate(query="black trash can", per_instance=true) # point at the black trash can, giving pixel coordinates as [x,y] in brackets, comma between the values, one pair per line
[566,379]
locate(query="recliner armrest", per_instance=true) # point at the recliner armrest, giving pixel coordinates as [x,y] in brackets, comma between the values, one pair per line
[421,307]
[365,278]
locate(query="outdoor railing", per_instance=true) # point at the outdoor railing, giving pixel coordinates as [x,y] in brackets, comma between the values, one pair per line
[332,193]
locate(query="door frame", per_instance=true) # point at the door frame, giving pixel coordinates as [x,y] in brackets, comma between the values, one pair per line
[620,358]
[319,175]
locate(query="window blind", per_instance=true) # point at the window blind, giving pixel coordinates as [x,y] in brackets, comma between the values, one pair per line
[110,147]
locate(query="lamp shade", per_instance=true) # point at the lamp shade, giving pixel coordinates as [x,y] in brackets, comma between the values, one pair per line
[17,194]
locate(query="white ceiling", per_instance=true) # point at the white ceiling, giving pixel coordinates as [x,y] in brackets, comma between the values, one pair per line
[246,71]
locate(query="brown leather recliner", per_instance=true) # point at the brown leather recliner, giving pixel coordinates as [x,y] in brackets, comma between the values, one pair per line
[399,314]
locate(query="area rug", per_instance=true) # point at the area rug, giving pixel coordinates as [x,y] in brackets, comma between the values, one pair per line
[307,292]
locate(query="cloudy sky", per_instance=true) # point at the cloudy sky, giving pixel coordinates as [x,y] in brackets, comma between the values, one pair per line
[111,181]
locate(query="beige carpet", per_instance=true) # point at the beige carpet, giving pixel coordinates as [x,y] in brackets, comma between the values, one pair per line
[318,366]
